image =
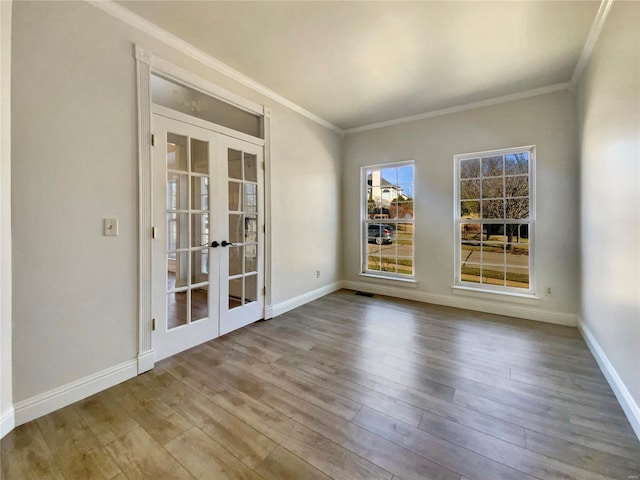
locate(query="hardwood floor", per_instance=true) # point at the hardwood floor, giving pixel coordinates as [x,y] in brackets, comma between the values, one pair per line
[349,387]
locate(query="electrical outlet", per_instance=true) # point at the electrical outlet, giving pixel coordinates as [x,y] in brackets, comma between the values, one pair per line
[317,273]
[547,291]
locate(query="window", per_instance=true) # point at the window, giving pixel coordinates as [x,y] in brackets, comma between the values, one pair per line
[494,219]
[181,98]
[388,219]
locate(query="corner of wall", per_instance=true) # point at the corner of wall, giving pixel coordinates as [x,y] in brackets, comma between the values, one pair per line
[628,404]
[475,304]
[60,397]
[283,307]
[608,125]
[7,420]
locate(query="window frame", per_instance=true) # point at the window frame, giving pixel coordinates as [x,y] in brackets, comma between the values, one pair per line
[364,233]
[531,221]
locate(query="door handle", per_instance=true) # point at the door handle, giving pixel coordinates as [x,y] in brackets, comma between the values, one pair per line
[214,244]
[225,243]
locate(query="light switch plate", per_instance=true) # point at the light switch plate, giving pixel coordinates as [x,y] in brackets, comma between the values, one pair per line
[110,227]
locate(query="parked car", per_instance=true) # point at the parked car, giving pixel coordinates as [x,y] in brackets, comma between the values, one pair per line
[380,233]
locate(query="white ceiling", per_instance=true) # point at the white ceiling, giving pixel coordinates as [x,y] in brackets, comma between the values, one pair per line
[357,63]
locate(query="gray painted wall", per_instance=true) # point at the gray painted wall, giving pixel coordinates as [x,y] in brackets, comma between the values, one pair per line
[610,200]
[75,163]
[547,121]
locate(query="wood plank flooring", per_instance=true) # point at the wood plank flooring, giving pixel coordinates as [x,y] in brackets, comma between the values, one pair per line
[348,387]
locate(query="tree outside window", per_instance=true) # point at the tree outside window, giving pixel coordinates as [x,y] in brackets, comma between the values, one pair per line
[494,220]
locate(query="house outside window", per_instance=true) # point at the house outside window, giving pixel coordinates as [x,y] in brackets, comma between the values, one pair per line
[494,220]
[388,220]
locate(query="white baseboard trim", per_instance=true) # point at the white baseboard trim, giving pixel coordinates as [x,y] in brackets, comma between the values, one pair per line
[283,307]
[7,422]
[146,361]
[628,404]
[60,397]
[467,303]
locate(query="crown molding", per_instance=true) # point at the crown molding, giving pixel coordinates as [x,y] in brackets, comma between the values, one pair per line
[467,106]
[153,30]
[592,39]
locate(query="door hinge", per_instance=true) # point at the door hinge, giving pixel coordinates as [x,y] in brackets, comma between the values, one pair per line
[264,228]
[264,290]
[154,232]
[264,165]
[153,324]
[153,140]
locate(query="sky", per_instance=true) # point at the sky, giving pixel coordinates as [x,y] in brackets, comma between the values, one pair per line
[402,176]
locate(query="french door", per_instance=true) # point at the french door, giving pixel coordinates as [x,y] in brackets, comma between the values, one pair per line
[242,261]
[207,270]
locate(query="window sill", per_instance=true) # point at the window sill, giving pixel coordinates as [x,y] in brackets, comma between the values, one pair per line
[484,292]
[408,282]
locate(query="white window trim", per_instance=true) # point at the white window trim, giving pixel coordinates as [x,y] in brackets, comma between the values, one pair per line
[463,289]
[385,279]
[401,278]
[458,284]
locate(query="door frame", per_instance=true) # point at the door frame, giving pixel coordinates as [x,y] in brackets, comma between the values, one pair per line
[146,64]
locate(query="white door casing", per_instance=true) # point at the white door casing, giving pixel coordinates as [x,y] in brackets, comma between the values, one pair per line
[148,64]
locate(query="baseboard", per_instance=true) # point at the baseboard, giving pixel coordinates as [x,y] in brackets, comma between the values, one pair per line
[7,422]
[146,361]
[467,303]
[628,404]
[283,307]
[60,397]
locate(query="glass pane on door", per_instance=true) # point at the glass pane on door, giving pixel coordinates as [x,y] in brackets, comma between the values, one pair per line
[250,288]
[200,303]
[234,196]
[251,228]
[176,236]
[176,152]
[243,227]
[250,167]
[250,198]
[177,270]
[187,214]
[176,191]
[176,309]
[235,261]
[235,164]
[199,229]
[235,293]
[199,156]
[235,228]
[251,258]
[200,193]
